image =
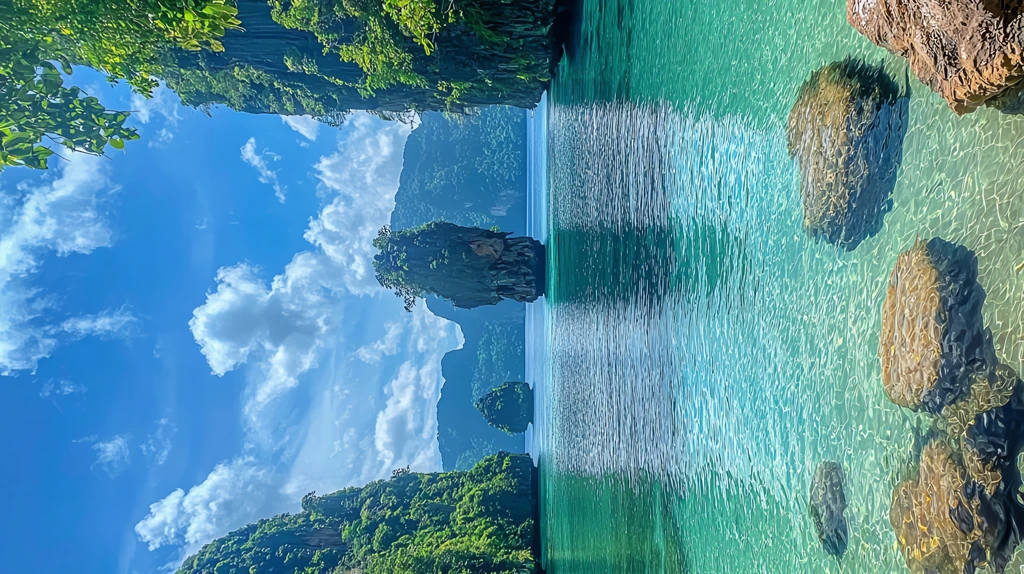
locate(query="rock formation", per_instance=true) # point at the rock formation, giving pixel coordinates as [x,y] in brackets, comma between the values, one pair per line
[944,521]
[508,407]
[828,508]
[466,265]
[969,51]
[934,347]
[846,131]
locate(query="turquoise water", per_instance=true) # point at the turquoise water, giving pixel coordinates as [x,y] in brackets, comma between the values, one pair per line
[698,354]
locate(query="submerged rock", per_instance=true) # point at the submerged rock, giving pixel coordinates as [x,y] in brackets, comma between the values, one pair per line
[846,131]
[969,51]
[934,348]
[828,508]
[944,521]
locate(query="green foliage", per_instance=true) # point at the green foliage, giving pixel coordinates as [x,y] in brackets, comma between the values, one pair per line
[472,522]
[36,105]
[442,55]
[465,169]
[125,38]
[508,407]
[500,356]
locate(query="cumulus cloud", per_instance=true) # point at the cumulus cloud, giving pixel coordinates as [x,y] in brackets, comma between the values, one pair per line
[385,347]
[158,444]
[335,414]
[108,323]
[232,495]
[60,388]
[60,216]
[112,456]
[305,125]
[259,162]
[285,323]
[363,178]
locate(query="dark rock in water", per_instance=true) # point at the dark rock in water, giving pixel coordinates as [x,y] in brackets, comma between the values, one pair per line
[828,506]
[969,51]
[846,131]
[934,348]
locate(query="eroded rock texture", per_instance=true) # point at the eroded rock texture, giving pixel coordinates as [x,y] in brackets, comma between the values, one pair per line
[828,508]
[846,131]
[945,522]
[934,348]
[969,51]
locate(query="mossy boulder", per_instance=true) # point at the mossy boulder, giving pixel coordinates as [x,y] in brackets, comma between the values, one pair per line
[846,132]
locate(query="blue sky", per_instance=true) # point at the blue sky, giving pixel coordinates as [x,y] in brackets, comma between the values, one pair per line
[191,337]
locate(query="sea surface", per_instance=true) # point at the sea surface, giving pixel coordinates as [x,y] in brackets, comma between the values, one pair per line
[697,354]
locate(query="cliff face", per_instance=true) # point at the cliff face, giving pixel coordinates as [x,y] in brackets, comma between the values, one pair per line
[468,266]
[970,52]
[504,56]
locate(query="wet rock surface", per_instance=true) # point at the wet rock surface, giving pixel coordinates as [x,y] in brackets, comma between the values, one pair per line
[969,51]
[828,508]
[934,347]
[846,131]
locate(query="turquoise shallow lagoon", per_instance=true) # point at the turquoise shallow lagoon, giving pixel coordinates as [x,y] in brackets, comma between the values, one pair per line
[697,353]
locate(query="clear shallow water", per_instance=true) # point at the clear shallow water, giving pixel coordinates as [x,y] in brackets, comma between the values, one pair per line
[705,354]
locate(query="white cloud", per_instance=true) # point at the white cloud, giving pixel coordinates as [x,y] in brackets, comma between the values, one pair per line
[232,495]
[164,103]
[163,137]
[60,388]
[364,177]
[385,347]
[61,216]
[259,161]
[158,444]
[317,414]
[108,323]
[305,125]
[112,455]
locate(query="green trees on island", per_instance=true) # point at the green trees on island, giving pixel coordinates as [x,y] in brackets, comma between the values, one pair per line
[466,265]
[479,521]
[508,407]
[317,57]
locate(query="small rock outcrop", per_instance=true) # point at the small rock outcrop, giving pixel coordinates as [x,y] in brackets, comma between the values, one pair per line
[944,521]
[508,407]
[828,508]
[846,131]
[969,51]
[467,265]
[934,346]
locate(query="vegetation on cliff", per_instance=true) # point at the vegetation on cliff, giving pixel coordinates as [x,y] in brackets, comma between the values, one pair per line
[40,39]
[468,266]
[479,521]
[508,407]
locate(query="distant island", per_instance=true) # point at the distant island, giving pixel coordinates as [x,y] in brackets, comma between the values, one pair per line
[480,521]
[470,170]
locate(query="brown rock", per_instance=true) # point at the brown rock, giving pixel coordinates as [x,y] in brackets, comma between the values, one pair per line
[934,348]
[969,51]
[846,131]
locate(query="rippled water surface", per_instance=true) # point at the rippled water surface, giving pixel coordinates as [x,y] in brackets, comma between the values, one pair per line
[706,354]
